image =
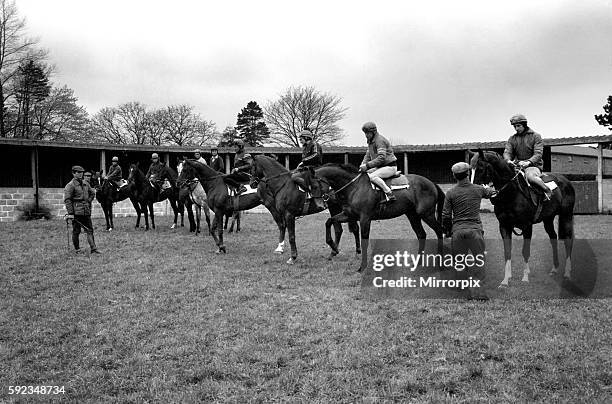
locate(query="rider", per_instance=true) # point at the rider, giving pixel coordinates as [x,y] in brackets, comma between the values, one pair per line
[312,157]
[114,175]
[461,219]
[379,161]
[526,146]
[241,163]
[216,161]
[155,170]
[197,155]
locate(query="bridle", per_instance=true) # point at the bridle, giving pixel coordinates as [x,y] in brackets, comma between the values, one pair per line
[333,192]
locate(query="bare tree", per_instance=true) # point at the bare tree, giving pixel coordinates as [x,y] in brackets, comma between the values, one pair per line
[157,126]
[185,127]
[107,128]
[15,48]
[304,108]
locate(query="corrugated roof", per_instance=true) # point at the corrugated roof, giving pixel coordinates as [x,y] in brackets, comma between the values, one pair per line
[328,149]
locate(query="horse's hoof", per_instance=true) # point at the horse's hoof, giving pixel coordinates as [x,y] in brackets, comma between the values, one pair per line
[173,226]
[503,286]
[360,269]
[525,280]
[358,252]
[291,261]
[221,250]
[109,230]
[279,250]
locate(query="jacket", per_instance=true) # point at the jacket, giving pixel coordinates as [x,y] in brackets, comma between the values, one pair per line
[78,196]
[379,154]
[114,173]
[527,146]
[216,163]
[312,154]
[155,168]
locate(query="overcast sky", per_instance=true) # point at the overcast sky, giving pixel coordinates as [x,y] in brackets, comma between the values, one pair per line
[425,72]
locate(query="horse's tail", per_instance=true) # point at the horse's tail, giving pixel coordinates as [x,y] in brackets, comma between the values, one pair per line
[440,204]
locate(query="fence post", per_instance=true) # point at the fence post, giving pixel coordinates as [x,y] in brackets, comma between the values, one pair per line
[600,190]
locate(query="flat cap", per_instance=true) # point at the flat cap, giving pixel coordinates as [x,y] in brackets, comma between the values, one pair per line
[460,167]
[115,158]
[77,169]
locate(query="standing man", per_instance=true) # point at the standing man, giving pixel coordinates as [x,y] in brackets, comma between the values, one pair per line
[78,196]
[216,162]
[197,155]
[312,157]
[527,147]
[379,161]
[461,219]
[115,176]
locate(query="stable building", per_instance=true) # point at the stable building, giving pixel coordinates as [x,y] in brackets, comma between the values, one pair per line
[36,171]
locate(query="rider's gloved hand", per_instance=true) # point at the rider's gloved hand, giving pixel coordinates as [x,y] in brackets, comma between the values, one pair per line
[363,168]
[69,217]
[524,163]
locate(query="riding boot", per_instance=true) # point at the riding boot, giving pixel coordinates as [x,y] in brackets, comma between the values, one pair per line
[547,192]
[92,243]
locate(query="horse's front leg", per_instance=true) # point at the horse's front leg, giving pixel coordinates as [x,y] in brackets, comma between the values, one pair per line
[354,228]
[506,233]
[151,208]
[136,206]
[290,222]
[146,215]
[335,220]
[365,222]
[527,232]
[217,231]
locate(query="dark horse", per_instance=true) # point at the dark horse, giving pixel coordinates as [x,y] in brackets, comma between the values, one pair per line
[423,200]
[217,195]
[285,202]
[107,195]
[514,209]
[146,195]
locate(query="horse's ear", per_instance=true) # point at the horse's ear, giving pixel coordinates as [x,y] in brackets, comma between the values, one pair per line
[480,154]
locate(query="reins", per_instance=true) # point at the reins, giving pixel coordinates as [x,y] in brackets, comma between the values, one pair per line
[343,187]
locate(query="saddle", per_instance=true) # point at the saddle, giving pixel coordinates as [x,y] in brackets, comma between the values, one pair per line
[533,194]
[398,181]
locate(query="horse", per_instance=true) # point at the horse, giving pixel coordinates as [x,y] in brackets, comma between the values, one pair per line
[191,193]
[421,201]
[514,209]
[146,195]
[286,202]
[219,199]
[107,195]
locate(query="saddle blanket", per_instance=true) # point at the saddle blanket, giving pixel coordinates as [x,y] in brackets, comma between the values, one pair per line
[551,185]
[249,190]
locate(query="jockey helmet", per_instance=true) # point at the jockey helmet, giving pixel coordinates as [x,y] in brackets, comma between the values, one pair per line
[247,156]
[214,149]
[518,118]
[460,167]
[77,169]
[115,158]
[306,134]
[369,127]
[198,151]
[154,156]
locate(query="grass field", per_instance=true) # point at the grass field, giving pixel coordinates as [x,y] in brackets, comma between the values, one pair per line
[160,318]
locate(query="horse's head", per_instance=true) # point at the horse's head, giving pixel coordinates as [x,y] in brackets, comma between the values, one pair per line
[94,182]
[136,175]
[188,172]
[264,166]
[489,167]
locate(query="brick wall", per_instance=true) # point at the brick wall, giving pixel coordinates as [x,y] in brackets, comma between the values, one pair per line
[53,198]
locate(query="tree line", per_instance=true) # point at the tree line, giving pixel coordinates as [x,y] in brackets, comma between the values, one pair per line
[32,106]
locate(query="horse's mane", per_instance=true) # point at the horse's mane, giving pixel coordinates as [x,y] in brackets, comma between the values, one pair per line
[347,167]
[271,160]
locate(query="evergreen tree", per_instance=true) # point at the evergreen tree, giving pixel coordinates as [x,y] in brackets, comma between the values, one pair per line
[32,87]
[605,120]
[228,136]
[251,126]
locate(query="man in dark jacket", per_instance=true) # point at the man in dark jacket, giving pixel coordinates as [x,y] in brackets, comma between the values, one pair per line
[238,177]
[78,197]
[115,175]
[216,161]
[461,219]
[527,147]
[312,157]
